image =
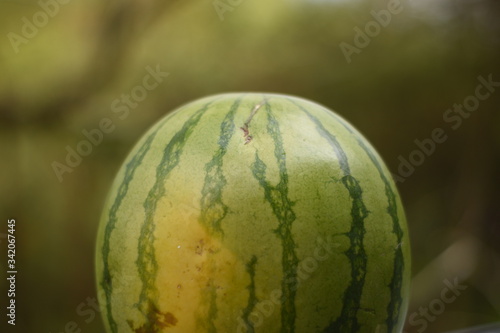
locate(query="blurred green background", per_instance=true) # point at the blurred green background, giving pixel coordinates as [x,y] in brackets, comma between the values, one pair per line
[64,63]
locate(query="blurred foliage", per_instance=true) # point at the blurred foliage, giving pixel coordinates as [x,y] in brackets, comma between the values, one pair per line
[65,78]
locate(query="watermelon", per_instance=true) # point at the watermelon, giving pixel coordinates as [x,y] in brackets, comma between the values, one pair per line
[253,213]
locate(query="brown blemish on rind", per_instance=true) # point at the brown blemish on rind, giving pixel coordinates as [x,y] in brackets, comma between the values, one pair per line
[202,247]
[156,321]
[199,247]
[169,320]
[244,128]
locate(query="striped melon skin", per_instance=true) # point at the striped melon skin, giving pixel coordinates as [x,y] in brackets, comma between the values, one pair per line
[253,213]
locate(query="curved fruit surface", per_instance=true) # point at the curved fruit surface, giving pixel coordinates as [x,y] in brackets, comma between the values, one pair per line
[253,213]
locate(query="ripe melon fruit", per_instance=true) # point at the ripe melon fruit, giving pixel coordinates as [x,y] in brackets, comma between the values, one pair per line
[253,213]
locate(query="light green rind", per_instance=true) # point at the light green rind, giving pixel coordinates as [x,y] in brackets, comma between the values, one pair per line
[252,224]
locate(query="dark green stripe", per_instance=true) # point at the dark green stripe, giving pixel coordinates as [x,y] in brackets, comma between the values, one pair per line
[213,209]
[394,306]
[107,281]
[252,298]
[212,309]
[208,296]
[212,312]
[348,321]
[146,261]
[277,196]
